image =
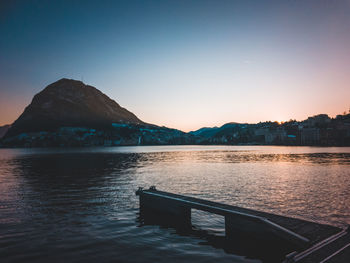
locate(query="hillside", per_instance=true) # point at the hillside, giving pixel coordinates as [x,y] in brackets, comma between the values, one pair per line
[70,103]
[3,130]
[70,113]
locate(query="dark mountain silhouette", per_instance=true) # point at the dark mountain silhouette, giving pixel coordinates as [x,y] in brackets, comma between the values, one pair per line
[209,132]
[205,132]
[70,103]
[70,113]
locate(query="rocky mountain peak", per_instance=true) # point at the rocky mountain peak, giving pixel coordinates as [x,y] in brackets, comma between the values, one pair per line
[69,102]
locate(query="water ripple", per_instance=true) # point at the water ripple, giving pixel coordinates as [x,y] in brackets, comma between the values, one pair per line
[80,205]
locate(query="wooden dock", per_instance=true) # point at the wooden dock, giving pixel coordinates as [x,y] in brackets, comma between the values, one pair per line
[298,240]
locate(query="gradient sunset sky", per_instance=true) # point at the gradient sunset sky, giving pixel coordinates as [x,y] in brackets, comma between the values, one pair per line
[182,64]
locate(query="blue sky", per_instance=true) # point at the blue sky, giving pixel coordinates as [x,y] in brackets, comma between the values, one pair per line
[182,64]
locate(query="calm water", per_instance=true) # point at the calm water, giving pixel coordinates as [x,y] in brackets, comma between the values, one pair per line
[79,205]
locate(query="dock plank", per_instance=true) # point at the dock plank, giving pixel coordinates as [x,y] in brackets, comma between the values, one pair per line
[336,252]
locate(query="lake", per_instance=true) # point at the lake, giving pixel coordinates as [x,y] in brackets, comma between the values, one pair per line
[79,204]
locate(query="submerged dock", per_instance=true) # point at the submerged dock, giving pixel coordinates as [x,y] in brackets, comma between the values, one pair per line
[296,239]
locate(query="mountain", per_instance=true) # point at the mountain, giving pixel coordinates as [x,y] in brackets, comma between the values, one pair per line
[70,113]
[3,130]
[210,132]
[70,103]
[205,132]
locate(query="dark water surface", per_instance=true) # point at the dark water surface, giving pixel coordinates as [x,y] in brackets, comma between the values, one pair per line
[79,205]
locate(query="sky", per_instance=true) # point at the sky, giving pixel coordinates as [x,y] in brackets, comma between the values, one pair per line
[182,64]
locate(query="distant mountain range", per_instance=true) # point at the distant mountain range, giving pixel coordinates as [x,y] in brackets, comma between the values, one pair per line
[70,113]
[208,132]
[320,130]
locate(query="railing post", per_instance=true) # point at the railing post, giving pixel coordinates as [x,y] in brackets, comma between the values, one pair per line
[155,209]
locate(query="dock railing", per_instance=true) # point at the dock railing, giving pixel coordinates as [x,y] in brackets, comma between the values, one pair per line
[178,208]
